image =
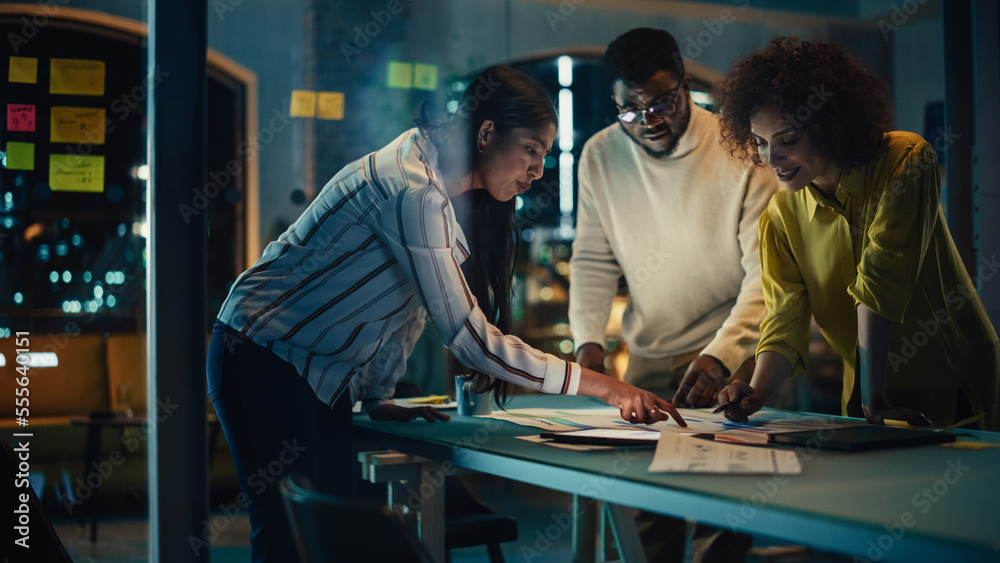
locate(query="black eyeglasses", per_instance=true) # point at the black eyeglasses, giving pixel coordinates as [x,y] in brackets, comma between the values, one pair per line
[662,109]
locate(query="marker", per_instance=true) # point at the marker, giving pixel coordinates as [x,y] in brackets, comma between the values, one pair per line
[721,408]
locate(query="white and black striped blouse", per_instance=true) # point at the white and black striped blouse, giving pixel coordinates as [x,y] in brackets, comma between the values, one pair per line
[343,293]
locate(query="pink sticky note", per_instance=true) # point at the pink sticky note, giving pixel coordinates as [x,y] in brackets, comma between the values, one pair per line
[20,117]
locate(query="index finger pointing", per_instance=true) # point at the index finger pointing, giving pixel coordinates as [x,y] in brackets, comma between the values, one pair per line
[666,407]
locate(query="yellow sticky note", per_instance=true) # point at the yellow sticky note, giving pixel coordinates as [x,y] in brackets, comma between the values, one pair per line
[20,156]
[303,103]
[23,69]
[330,105]
[425,77]
[400,75]
[78,125]
[76,173]
[967,445]
[77,76]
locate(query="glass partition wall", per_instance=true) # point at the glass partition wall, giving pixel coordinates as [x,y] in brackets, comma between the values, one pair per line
[310,86]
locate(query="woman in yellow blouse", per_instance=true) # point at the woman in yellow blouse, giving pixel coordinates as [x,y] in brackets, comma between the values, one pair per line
[858,241]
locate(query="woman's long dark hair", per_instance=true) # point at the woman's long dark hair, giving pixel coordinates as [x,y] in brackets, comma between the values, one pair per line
[509,98]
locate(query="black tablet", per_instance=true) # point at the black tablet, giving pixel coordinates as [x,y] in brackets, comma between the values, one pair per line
[862,438]
[604,437]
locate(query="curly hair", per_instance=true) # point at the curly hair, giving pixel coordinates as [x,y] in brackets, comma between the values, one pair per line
[818,88]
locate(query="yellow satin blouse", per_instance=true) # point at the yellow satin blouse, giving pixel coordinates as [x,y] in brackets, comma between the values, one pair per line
[883,243]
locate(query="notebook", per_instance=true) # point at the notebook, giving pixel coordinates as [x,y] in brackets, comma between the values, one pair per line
[862,438]
[605,437]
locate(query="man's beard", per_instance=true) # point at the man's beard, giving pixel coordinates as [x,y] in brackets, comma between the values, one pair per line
[677,134]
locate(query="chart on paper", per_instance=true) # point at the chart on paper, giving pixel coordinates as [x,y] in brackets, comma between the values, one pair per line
[700,421]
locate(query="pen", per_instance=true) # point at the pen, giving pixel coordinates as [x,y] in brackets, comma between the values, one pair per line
[723,407]
[431,399]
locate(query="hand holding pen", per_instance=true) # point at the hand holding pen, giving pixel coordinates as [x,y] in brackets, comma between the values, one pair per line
[738,400]
[725,406]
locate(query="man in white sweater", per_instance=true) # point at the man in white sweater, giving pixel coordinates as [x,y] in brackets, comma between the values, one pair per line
[663,204]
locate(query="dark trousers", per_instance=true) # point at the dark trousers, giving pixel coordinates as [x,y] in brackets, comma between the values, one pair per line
[275,427]
[664,537]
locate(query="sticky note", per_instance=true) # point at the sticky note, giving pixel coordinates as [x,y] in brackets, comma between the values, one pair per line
[76,173]
[400,75]
[967,445]
[330,105]
[20,117]
[23,69]
[77,76]
[20,156]
[425,77]
[303,103]
[77,125]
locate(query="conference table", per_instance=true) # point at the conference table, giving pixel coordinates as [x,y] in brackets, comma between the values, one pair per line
[925,503]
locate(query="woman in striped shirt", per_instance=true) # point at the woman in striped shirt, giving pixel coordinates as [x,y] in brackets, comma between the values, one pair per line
[331,311]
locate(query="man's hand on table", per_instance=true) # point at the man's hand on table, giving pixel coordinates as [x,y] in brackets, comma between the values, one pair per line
[703,380]
[591,356]
[396,413]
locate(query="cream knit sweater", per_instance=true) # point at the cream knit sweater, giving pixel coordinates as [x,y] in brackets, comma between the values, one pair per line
[683,231]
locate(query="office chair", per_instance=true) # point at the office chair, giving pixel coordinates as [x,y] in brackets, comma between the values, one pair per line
[471,529]
[329,528]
